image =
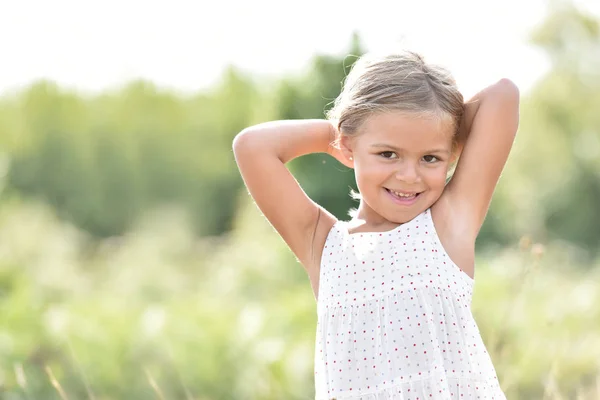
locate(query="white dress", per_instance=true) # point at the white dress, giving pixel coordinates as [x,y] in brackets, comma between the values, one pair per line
[395,321]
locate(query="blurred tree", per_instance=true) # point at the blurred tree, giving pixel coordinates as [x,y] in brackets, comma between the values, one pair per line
[103,162]
[552,183]
[231,109]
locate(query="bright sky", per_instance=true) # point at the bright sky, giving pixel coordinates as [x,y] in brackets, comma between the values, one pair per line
[184,45]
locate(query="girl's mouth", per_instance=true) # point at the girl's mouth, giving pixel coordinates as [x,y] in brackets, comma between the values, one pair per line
[404,198]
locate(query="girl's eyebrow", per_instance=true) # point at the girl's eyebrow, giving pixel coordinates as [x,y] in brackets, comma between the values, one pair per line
[389,146]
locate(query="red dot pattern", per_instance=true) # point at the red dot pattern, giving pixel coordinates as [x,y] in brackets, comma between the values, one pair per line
[395,321]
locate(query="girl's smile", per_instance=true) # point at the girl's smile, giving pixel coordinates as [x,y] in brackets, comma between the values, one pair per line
[403,198]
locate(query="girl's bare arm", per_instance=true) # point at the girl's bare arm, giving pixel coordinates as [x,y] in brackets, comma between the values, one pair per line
[489,125]
[261,153]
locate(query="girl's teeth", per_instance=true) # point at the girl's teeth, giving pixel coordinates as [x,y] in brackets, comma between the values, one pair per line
[404,195]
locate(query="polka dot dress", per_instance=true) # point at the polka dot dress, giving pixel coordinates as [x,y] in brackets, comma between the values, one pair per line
[395,321]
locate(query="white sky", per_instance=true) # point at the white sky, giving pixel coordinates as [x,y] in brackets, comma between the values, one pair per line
[184,45]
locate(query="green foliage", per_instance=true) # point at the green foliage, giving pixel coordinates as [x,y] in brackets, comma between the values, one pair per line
[107,292]
[551,184]
[159,314]
[103,162]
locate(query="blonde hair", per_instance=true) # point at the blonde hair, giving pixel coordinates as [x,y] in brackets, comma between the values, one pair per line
[400,81]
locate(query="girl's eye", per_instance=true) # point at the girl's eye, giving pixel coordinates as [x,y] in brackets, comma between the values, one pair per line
[388,154]
[430,159]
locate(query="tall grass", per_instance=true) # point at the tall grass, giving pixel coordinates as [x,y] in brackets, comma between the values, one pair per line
[159,314]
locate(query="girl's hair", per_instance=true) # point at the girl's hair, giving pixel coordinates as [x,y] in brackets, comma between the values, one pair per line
[401,81]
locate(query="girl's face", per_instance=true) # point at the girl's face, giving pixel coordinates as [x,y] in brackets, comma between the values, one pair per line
[400,163]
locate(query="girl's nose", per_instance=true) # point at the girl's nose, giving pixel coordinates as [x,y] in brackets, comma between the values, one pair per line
[407,172]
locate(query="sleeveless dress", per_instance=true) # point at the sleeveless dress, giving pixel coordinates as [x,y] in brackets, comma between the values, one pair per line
[395,321]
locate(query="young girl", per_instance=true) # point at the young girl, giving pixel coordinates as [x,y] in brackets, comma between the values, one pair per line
[394,284]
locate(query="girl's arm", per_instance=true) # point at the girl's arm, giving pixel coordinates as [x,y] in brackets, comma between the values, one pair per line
[261,153]
[490,123]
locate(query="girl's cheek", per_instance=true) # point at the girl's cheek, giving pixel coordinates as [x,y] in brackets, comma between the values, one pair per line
[374,168]
[436,174]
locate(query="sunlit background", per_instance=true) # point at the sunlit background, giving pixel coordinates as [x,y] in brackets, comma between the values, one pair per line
[133,264]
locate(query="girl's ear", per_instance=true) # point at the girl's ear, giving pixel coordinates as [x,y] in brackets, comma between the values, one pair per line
[346,144]
[342,151]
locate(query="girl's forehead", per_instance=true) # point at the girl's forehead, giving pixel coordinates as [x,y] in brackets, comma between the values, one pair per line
[405,130]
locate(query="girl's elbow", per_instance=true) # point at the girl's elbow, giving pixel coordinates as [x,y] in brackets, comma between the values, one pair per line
[508,89]
[243,141]
[242,145]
